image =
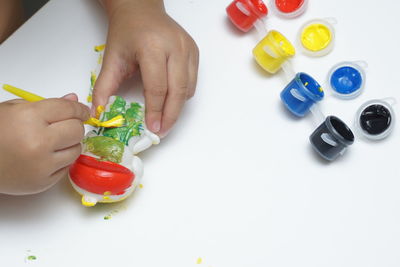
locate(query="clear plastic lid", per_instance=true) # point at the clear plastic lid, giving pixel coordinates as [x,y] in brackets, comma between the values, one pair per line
[289,8]
[347,79]
[316,37]
[375,119]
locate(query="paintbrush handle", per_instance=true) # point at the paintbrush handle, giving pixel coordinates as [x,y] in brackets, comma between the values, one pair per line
[22,93]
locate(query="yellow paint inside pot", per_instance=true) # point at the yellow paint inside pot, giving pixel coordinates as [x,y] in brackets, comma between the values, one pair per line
[316,37]
[272,51]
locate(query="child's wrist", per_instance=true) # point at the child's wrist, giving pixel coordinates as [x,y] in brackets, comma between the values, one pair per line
[112,6]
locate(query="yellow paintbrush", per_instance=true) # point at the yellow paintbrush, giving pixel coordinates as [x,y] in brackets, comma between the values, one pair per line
[117,121]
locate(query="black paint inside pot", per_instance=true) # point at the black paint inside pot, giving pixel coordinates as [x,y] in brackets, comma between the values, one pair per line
[375,119]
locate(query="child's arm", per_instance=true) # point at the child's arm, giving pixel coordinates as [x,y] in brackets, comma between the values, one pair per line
[142,36]
[11,17]
[38,142]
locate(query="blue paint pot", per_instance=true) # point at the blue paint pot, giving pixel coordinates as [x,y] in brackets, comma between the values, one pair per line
[347,79]
[301,93]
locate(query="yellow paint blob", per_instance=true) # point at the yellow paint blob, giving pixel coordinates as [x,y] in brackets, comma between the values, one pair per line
[316,37]
[100,109]
[87,204]
[99,48]
[272,51]
[199,261]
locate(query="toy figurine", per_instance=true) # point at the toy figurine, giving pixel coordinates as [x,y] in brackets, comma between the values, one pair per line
[108,169]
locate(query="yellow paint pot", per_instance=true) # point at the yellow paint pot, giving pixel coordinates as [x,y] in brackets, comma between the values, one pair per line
[272,51]
[317,37]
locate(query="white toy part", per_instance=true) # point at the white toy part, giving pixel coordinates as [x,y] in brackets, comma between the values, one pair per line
[144,142]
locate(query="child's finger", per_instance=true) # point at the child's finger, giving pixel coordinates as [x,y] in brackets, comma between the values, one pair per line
[56,109]
[71,96]
[107,83]
[57,176]
[16,101]
[154,75]
[64,158]
[66,133]
[177,91]
[193,70]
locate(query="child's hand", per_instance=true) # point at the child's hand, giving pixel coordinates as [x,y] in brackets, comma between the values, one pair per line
[38,142]
[141,35]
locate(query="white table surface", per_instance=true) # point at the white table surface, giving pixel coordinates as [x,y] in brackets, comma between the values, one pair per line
[236,183]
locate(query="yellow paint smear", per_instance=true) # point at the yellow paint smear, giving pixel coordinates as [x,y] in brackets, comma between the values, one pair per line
[99,110]
[316,37]
[100,59]
[99,48]
[199,261]
[117,121]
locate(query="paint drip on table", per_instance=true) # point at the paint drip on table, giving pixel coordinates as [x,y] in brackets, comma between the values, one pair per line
[30,257]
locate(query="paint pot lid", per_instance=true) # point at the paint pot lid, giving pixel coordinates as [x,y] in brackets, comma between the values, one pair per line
[316,37]
[289,8]
[375,119]
[347,79]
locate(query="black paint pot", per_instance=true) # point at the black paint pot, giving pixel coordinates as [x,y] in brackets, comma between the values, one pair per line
[332,138]
[375,119]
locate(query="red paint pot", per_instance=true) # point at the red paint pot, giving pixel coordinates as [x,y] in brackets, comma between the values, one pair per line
[290,8]
[244,13]
[97,176]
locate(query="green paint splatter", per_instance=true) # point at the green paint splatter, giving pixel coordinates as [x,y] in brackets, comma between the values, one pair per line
[105,147]
[31,258]
[114,211]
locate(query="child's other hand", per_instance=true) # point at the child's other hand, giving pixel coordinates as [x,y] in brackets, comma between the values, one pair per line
[38,142]
[142,36]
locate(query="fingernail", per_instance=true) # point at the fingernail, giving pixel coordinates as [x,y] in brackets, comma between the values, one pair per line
[70,96]
[92,111]
[164,134]
[156,126]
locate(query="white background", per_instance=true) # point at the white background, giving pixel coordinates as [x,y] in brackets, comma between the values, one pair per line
[236,183]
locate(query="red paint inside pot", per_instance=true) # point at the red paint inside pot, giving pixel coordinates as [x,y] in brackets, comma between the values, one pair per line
[288,6]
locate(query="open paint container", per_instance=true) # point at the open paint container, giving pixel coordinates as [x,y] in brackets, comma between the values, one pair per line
[347,79]
[273,51]
[331,139]
[332,136]
[245,14]
[375,119]
[301,94]
[289,8]
[317,37]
